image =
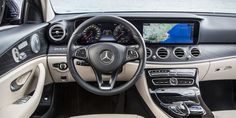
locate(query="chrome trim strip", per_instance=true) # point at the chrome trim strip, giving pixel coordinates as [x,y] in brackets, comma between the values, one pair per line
[191,62]
[56,54]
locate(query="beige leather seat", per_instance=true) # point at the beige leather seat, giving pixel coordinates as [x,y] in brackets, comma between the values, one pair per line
[109,116]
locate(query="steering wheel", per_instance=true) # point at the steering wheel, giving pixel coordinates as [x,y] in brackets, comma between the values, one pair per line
[106,58]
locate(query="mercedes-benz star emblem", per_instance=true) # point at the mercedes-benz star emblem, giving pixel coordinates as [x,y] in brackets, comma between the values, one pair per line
[107,57]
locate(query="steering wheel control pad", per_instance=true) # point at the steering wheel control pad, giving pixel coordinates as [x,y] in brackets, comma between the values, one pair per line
[106,57]
[81,53]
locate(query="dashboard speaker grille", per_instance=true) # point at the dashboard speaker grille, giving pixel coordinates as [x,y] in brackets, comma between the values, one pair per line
[149,52]
[179,53]
[57,32]
[162,53]
[195,52]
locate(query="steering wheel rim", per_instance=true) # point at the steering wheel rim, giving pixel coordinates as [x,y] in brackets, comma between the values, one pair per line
[73,51]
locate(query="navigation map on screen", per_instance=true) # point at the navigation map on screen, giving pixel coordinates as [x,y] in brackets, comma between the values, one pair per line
[170,33]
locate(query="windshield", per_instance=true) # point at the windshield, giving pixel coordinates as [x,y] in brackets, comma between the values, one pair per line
[82,6]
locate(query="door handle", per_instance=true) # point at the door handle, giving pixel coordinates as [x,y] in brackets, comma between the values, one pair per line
[20,81]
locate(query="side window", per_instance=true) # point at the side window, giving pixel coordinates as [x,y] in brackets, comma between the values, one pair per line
[10,12]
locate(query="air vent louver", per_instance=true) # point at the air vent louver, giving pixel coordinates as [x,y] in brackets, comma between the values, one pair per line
[57,32]
[162,53]
[149,52]
[195,52]
[179,53]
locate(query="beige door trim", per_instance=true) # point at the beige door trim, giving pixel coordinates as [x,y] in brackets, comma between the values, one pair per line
[24,110]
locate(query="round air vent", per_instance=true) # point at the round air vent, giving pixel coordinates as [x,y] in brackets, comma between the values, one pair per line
[57,32]
[179,53]
[162,53]
[195,52]
[149,52]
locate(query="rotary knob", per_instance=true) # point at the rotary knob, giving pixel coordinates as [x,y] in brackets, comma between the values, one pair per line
[173,81]
[63,66]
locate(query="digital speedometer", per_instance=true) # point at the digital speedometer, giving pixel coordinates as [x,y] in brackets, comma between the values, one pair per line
[91,34]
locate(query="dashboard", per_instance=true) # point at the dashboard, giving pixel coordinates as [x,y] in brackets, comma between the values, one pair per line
[212,37]
[169,38]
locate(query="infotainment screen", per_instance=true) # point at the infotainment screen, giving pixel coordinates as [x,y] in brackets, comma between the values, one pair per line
[168,33]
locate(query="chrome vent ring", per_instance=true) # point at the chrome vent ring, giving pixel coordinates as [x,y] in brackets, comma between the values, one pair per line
[162,53]
[179,53]
[149,52]
[195,52]
[57,32]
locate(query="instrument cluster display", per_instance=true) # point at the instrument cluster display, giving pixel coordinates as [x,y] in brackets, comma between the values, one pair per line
[106,32]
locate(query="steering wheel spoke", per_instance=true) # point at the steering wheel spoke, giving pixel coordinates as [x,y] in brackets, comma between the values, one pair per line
[81,53]
[106,85]
[132,53]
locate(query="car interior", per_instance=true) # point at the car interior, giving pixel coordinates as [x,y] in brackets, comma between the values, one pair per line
[117,59]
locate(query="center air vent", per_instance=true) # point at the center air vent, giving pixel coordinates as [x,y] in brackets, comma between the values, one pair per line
[149,52]
[195,52]
[162,53]
[57,32]
[179,53]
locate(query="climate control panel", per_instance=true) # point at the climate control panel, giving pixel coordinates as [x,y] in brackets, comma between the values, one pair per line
[171,77]
[173,81]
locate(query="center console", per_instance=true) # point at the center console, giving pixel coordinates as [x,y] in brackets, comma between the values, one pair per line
[176,91]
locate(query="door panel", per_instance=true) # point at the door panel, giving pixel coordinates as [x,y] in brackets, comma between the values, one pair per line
[12,103]
[18,40]
[23,69]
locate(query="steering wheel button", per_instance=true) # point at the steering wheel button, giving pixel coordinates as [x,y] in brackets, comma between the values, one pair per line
[81,53]
[132,54]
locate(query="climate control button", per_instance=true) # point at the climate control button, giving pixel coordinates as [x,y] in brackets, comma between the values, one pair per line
[173,81]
